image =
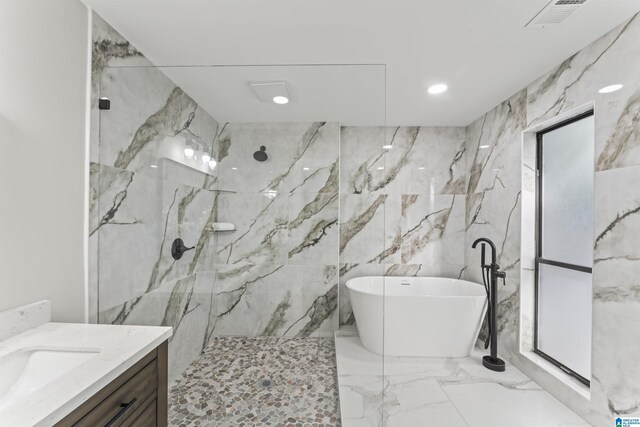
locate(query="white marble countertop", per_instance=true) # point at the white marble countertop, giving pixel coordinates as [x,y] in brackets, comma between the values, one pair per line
[119,348]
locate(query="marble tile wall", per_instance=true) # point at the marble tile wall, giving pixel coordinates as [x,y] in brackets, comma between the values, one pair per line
[494,200]
[402,208]
[279,269]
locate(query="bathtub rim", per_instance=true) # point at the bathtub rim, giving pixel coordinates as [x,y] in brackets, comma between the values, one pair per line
[349,286]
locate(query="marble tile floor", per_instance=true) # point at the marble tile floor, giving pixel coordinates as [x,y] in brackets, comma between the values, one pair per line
[266,381]
[443,392]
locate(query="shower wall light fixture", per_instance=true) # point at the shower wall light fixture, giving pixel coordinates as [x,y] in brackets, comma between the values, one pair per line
[189,149]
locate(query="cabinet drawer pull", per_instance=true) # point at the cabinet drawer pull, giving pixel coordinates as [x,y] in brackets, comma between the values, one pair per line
[124,408]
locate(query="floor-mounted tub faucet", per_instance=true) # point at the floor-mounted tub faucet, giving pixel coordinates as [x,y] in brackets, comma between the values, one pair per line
[490,275]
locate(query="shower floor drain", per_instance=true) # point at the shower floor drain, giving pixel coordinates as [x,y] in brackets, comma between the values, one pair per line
[266,382]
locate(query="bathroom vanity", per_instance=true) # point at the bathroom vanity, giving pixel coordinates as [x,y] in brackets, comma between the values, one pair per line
[67,374]
[136,397]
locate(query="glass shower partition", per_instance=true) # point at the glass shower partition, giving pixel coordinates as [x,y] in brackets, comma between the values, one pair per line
[268,245]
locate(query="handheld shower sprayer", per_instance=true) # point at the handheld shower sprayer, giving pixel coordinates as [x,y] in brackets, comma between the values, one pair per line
[490,275]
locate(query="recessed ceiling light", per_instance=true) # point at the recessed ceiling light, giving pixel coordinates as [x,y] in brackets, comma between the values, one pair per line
[611,88]
[305,169]
[387,147]
[234,168]
[380,168]
[421,168]
[484,146]
[154,166]
[280,100]
[436,89]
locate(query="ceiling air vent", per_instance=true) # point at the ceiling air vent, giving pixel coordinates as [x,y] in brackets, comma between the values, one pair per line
[555,13]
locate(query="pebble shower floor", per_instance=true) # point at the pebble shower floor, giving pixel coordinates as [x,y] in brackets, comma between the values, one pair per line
[240,381]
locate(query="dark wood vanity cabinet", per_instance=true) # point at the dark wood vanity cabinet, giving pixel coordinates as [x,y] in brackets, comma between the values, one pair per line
[137,398]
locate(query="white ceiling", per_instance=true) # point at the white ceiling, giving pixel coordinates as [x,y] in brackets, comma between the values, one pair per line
[350,94]
[480,48]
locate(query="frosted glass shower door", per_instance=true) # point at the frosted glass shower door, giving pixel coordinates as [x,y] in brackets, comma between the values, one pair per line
[565,245]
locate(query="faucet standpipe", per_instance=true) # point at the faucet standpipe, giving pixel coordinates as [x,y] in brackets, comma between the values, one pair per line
[493,272]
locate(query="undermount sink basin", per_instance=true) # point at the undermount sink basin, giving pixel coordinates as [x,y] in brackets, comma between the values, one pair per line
[28,370]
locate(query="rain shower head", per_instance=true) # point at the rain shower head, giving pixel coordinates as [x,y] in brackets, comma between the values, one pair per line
[261,155]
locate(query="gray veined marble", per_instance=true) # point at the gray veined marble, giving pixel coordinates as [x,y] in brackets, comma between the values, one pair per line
[261,228]
[614,389]
[413,160]
[369,228]
[493,149]
[616,257]
[157,128]
[562,88]
[138,220]
[445,391]
[111,49]
[302,157]
[493,205]
[576,82]
[313,228]
[271,299]
[621,147]
[432,230]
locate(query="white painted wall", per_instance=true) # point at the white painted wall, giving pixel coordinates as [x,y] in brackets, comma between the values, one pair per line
[43,104]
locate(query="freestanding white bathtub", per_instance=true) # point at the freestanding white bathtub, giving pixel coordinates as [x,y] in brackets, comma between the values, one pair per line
[417,316]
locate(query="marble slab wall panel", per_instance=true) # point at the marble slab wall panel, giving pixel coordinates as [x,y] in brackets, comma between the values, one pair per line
[149,121]
[279,268]
[275,299]
[493,205]
[138,217]
[109,49]
[421,160]
[616,291]
[302,157]
[493,209]
[402,203]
